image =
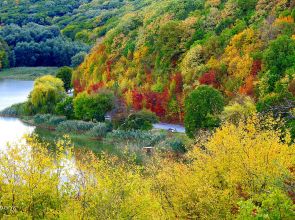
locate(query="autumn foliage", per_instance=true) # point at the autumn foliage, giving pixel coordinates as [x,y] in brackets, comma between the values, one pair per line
[225,178]
[209,78]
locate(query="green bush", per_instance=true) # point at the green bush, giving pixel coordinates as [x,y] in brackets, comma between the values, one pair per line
[56,120]
[177,146]
[75,126]
[66,108]
[99,130]
[15,110]
[93,106]
[41,118]
[48,119]
[137,137]
[141,120]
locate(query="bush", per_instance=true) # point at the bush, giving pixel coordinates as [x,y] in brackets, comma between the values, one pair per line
[93,106]
[15,110]
[66,108]
[75,126]
[78,59]
[177,146]
[56,120]
[137,138]
[48,119]
[141,120]
[41,118]
[99,130]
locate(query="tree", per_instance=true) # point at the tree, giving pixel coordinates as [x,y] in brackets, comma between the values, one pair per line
[239,109]
[248,162]
[47,92]
[4,54]
[201,108]
[77,59]
[66,108]
[93,106]
[65,74]
[278,57]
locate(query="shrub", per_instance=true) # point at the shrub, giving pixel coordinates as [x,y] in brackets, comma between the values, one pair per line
[15,110]
[136,137]
[99,130]
[75,126]
[78,59]
[56,120]
[41,118]
[141,120]
[239,109]
[93,106]
[66,108]
[177,146]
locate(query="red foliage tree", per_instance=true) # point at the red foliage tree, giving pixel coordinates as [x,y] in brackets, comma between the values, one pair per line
[209,78]
[256,67]
[95,87]
[248,87]
[157,102]
[78,86]
[137,100]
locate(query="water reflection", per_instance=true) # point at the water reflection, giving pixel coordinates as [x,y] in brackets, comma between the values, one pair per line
[12,129]
[12,92]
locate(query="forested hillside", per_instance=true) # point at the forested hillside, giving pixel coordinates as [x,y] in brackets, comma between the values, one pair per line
[159,51]
[33,31]
[56,33]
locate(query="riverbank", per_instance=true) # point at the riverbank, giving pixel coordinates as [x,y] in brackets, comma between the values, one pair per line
[27,73]
[101,138]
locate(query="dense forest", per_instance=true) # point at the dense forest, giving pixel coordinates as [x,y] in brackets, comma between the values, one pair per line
[34,36]
[160,51]
[223,70]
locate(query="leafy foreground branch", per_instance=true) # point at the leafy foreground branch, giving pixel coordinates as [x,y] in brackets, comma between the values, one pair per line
[243,171]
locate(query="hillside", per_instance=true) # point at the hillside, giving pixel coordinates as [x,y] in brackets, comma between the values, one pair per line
[159,51]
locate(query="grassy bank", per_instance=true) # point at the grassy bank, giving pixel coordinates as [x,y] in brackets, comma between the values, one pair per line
[27,73]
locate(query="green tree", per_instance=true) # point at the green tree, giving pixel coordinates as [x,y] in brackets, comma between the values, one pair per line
[66,108]
[47,92]
[201,109]
[65,74]
[93,106]
[278,57]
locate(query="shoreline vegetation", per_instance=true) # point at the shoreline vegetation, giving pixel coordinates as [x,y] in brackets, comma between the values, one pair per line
[101,137]
[27,73]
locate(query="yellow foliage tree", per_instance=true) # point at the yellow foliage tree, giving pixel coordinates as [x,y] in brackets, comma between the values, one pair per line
[237,54]
[239,162]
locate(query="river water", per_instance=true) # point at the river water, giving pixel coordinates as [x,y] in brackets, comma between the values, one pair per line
[12,92]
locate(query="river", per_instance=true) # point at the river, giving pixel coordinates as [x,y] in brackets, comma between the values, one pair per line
[12,92]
